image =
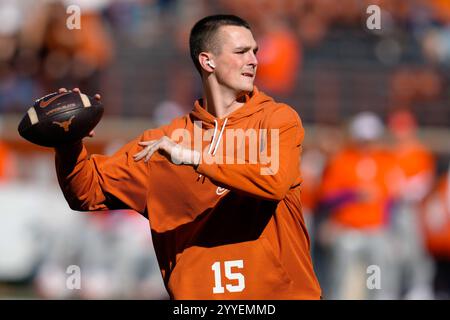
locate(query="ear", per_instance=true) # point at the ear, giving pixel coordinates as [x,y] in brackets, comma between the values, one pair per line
[204,60]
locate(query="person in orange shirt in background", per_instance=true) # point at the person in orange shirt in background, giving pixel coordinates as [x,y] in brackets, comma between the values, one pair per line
[435,222]
[416,162]
[417,167]
[357,192]
[280,57]
[311,166]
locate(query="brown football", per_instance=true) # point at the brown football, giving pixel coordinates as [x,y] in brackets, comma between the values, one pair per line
[60,118]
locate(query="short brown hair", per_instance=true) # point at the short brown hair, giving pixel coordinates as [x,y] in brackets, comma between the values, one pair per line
[204,31]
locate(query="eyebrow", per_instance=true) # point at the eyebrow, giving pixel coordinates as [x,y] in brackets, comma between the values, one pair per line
[246,48]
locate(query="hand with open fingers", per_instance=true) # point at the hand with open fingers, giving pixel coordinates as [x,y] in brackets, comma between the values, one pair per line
[176,153]
[97,96]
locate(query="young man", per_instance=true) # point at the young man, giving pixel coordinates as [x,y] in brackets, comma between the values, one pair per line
[225,218]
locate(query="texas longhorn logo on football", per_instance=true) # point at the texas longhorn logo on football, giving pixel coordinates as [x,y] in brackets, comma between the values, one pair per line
[65,124]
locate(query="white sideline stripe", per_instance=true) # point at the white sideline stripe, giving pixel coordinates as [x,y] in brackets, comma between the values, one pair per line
[85,100]
[33,116]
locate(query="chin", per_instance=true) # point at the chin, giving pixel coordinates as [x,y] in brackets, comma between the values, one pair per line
[246,88]
[240,88]
[242,92]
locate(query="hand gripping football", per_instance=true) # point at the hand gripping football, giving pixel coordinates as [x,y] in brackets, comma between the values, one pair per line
[60,118]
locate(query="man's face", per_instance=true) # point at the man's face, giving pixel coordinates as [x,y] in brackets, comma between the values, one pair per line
[236,60]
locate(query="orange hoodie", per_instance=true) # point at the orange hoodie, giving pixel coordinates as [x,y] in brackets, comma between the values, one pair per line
[221,231]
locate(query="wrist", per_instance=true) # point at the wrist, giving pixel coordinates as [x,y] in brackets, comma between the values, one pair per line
[69,147]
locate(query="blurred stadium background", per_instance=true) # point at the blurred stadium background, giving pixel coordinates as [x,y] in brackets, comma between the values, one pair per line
[375,105]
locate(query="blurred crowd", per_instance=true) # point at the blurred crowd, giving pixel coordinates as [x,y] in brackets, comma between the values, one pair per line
[378,202]
[131,49]
[373,193]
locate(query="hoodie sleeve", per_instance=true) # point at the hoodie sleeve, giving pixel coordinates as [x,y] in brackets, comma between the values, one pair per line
[101,182]
[281,171]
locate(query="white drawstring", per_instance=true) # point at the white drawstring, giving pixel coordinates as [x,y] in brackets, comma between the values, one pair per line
[220,136]
[214,136]
[216,124]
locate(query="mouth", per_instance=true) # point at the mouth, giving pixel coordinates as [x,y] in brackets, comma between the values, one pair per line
[248,74]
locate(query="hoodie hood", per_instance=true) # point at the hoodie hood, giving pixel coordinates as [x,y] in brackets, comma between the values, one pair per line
[254,102]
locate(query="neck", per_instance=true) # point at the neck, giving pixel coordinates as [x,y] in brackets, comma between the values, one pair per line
[220,101]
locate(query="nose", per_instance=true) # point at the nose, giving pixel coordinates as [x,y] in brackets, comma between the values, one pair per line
[253,61]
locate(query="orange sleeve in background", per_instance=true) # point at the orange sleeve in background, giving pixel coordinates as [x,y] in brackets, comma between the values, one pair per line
[414,159]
